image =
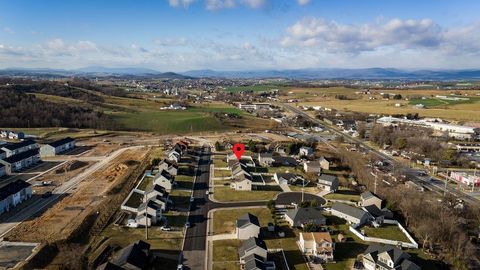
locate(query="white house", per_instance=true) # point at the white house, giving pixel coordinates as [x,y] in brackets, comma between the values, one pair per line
[242,184]
[305,151]
[164,179]
[170,166]
[288,179]
[265,159]
[368,198]
[247,226]
[318,245]
[13,194]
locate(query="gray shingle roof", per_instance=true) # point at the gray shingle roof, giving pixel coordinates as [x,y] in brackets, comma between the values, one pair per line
[328,177]
[246,220]
[250,244]
[14,146]
[367,195]
[399,257]
[348,210]
[305,214]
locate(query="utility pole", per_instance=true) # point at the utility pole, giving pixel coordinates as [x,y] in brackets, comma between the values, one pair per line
[446,182]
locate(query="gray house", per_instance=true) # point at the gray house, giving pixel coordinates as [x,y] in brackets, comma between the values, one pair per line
[247,226]
[54,148]
[168,165]
[17,148]
[328,182]
[288,178]
[265,159]
[13,194]
[252,245]
[368,198]
[351,214]
[257,262]
[133,257]
[21,160]
[164,179]
[387,257]
[300,217]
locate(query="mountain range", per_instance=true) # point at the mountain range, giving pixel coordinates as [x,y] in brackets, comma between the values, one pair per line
[299,74]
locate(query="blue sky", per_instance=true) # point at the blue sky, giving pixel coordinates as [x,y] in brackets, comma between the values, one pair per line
[179,35]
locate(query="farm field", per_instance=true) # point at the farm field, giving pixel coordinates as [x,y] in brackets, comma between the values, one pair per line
[447,109]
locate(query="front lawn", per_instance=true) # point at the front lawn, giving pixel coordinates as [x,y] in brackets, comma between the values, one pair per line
[224,220]
[227,194]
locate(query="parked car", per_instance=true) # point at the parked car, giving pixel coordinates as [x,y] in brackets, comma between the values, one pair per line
[165,228]
[192,199]
[187,224]
[207,192]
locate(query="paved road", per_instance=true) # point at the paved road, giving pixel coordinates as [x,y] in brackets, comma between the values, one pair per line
[194,248]
[412,173]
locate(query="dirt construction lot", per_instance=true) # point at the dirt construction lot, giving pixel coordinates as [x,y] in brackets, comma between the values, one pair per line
[62,218]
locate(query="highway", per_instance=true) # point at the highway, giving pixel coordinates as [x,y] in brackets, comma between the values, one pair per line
[412,174]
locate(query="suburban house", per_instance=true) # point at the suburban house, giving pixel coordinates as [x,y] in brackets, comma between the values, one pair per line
[257,262]
[16,135]
[168,165]
[387,257]
[284,161]
[305,151]
[328,182]
[151,210]
[368,198]
[164,179]
[299,217]
[288,178]
[54,148]
[351,214]
[21,160]
[318,245]
[2,170]
[312,167]
[265,159]
[158,195]
[379,215]
[242,183]
[133,257]
[175,154]
[252,245]
[13,194]
[17,148]
[247,226]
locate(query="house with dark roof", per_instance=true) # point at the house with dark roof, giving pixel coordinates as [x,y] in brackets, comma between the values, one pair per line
[168,165]
[289,179]
[11,149]
[378,215]
[164,179]
[351,214]
[56,147]
[3,154]
[133,257]
[252,245]
[20,161]
[328,182]
[300,217]
[247,226]
[284,161]
[150,210]
[387,257]
[13,194]
[257,262]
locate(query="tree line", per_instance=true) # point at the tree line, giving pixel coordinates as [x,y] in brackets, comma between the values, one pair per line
[21,110]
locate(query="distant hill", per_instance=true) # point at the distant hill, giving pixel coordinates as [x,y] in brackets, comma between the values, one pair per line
[298,74]
[338,73]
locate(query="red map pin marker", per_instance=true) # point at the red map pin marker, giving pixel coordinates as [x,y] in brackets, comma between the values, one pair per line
[238,149]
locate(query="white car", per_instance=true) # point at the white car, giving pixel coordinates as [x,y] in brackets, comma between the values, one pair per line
[165,228]
[207,192]
[187,224]
[192,199]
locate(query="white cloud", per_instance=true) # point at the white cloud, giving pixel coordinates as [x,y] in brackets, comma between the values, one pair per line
[8,30]
[178,3]
[219,4]
[254,3]
[303,2]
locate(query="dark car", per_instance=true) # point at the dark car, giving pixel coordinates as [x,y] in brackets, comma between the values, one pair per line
[47,194]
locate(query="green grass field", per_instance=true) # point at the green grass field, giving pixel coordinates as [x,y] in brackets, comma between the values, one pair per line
[433,102]
[226,194]
[255,88]
[386,231]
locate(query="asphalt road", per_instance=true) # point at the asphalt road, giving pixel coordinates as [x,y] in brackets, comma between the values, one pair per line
[194,248]
[411,173]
